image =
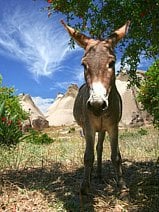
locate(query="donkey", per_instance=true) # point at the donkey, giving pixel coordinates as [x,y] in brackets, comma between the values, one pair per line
[98,105]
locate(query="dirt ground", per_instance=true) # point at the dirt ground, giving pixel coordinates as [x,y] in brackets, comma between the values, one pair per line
[55,188]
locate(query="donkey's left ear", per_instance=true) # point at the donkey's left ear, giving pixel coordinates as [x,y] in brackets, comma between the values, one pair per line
[118,34]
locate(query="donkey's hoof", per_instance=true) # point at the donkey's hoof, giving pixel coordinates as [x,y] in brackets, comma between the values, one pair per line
[122,185]
[84,188]
[124,195]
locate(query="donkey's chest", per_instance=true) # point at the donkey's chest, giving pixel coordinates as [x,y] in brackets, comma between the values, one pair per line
[102,123]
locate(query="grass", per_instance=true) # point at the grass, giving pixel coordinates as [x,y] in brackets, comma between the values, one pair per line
[46,177]
[140,144]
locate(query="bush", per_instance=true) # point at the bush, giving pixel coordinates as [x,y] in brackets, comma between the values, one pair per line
[36,137]
[11,116]
[10,127]
[149,92]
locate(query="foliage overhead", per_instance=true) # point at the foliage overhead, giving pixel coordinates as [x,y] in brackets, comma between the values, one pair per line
[149,92]
[99,18]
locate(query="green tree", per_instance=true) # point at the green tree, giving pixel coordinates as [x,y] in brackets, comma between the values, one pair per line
[100,17]
[149,92]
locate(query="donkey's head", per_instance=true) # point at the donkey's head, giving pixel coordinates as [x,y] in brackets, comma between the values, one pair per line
[99,65]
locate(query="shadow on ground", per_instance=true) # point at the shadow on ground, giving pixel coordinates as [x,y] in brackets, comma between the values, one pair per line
[60,185]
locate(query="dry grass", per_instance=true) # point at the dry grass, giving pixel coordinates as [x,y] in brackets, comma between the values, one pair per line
[47,177]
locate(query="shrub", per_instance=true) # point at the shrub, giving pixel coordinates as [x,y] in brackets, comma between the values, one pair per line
[11,116]
[149,92]
[36,137]
[10,127]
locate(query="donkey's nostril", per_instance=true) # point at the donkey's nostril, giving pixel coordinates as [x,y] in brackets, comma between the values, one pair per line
[88,104]
[104,105]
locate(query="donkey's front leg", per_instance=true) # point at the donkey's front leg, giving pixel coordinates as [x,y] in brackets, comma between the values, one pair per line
[99,149]
[116,156]
[88,160]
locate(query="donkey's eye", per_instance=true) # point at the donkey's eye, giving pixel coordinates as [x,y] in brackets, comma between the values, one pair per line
[111,64]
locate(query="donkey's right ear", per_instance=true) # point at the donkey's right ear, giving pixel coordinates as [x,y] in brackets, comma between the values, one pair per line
[118,34]
[81,39]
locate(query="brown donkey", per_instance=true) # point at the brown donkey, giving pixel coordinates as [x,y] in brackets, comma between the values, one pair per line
[98,106]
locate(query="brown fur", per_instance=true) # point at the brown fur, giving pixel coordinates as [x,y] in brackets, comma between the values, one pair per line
[99,115]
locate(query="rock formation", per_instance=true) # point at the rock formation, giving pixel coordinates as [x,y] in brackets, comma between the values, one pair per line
[132,113]
[36,118]
[61,111]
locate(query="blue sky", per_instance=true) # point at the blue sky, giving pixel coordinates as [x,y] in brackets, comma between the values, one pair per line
[34,54]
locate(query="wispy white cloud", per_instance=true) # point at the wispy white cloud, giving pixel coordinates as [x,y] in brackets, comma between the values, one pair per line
[29,36]
[42,103]
[61,85]
[76,77]
[79,75]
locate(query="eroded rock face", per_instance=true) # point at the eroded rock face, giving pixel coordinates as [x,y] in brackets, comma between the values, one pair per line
[36,118]
[137,120]
[61,111]
[39,123]
[133,115]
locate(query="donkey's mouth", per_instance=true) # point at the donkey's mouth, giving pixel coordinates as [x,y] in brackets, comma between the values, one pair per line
[96,108]
[98,112]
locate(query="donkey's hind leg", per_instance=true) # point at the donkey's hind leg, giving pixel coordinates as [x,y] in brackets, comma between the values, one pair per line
[99,149]
[116,156]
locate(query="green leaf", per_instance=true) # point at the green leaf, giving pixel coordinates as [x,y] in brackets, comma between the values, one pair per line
[2,108]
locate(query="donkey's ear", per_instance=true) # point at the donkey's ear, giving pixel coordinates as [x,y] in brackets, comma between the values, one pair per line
[81,39]
[118,34]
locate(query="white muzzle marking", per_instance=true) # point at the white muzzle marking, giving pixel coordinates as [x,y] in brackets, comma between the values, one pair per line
[98,94]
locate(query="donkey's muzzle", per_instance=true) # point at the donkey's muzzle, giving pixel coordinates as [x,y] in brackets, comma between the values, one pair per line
[97,105]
